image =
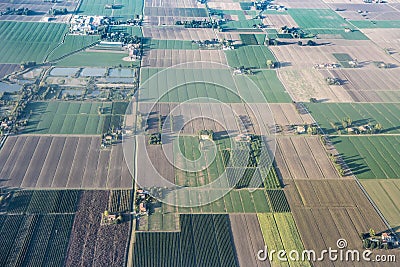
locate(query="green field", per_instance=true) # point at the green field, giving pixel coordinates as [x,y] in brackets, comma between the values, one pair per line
[254,57]
[326,22]
[370,24]
[71,44]
[179,85]
[343,59]
[267,82]
[252,39]
[386,195]
[318,19]
[280,233]
[150,43]
[28,41]
[66,117]
[327,114]
[96,59]
[203,240]
[370,157]
[129,9]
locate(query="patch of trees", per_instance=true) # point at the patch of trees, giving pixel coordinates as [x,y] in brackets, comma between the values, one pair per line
[333,81]
[17,11]
[123,37]
[55,12]
[27,64]
[197,23]
[155,139]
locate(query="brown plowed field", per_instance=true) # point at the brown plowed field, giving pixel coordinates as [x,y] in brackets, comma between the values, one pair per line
[248,239]
[62,162]
[178,33]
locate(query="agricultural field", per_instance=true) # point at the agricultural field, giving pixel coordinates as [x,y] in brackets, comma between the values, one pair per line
[149,44]
[171,3]
[248,239]
[197,85]
[44,38]
[128,9]
[6,69]
[330,115]
[370,24]
[385,39]
[370,157]
[39,162]
[35,226]
[280,233]
[164,58]
[58,117]
[92,243]
[210,233]
[251,39]
[93,58]
[318,18]
[254,57]
[385,194]
[303,158]
[71,44]
[368,85]
[178,33]
[267,82]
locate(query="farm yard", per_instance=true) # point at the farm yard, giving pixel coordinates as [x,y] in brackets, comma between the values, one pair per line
[39,162]
[370,157]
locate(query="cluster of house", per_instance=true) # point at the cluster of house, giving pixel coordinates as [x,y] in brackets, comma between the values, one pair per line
[86,25]
[327,66]
[141,201]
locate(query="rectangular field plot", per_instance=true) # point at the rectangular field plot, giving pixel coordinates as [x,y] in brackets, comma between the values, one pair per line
[179,85]
[67,117]
[35,240]
[254,57]
[268,85]
[150,43]
[178,33]
[386,195]
[280,233]
[71,44]
[95,58]
[164,58]
[40,162]
[91,243]
[368,24]
[175,12]
[197,233]
[370,157]
[303,158]
[248,238]
[18,46]
[126,8]
[318,18]
[330,116]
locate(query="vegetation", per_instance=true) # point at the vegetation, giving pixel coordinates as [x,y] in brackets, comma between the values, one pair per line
[155,139]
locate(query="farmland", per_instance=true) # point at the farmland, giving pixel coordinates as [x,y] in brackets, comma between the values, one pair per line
[292,163]
[254,57]
[91,243]
[209,232]
[385,194]
[280,232]
[39,162]
[96,59]
[44,37]
[72,43]
[67,117]
[370,157]
[128,8]
[331,114]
